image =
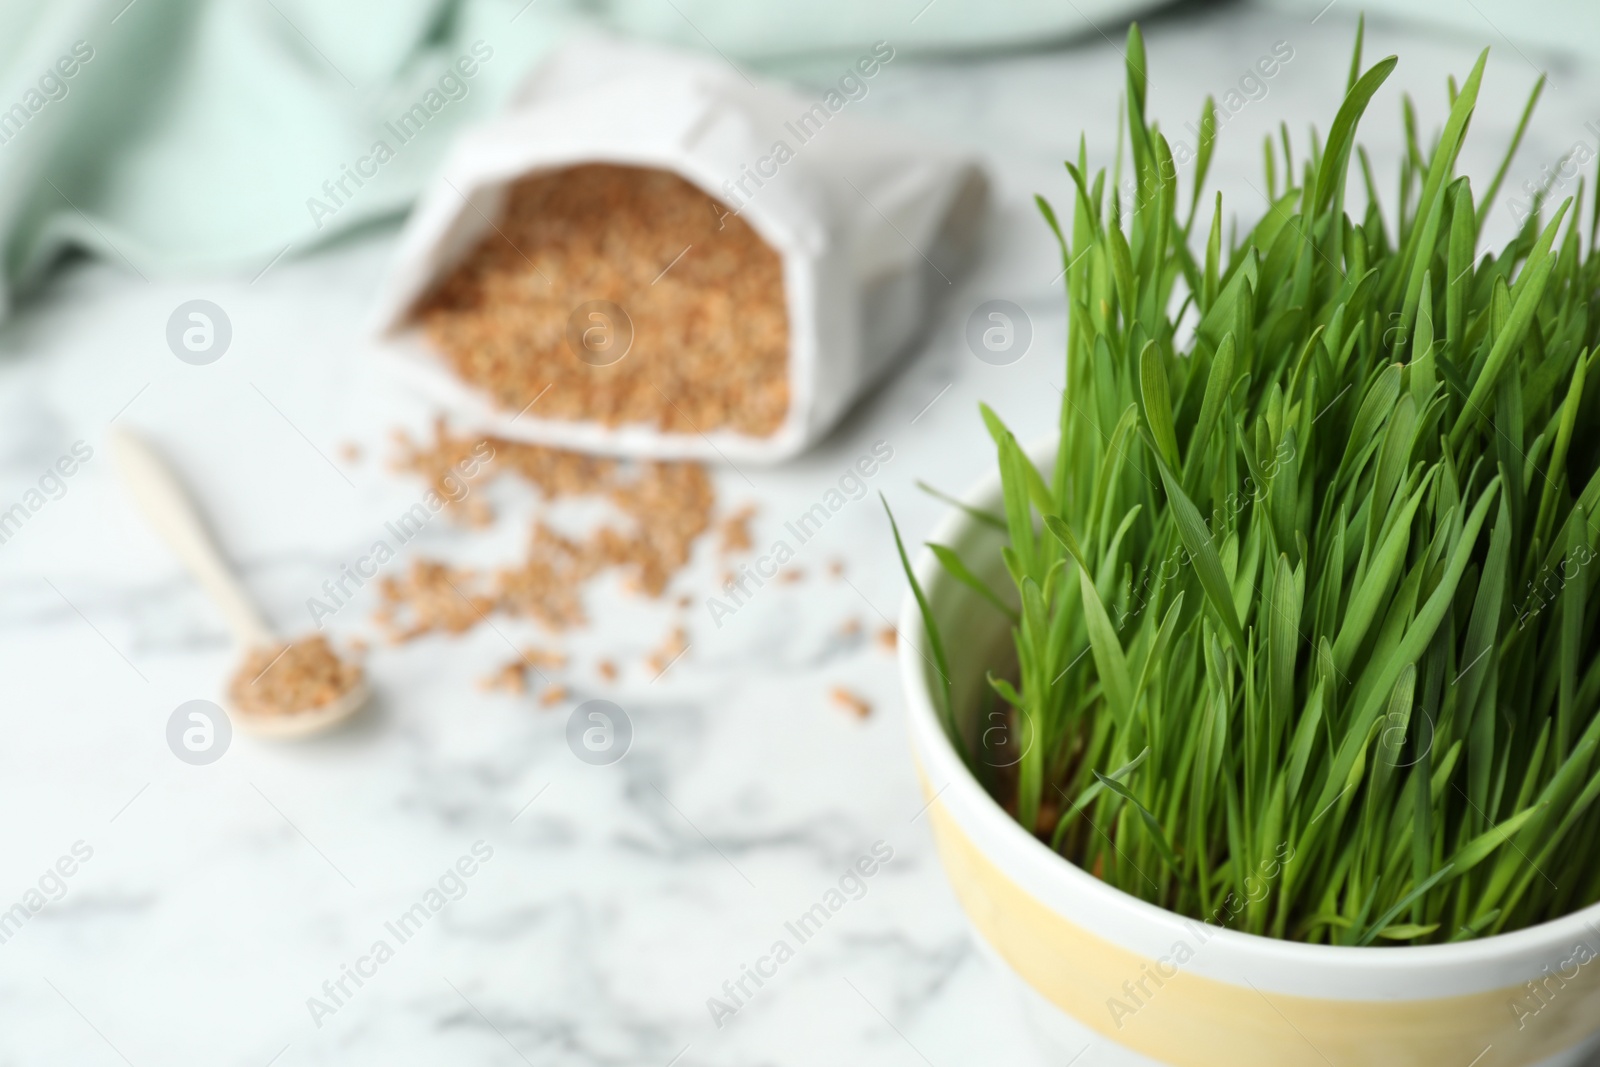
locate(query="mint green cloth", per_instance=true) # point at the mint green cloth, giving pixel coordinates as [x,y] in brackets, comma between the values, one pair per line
[179,136]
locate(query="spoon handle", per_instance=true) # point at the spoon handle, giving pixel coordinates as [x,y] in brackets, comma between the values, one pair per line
[173,514]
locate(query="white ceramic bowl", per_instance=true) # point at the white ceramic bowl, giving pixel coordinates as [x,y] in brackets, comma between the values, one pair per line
[1124,983]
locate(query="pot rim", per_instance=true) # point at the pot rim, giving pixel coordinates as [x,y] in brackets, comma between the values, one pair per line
[1045,864]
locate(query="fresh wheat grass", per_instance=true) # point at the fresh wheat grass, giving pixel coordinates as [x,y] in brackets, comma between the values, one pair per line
[1305,640]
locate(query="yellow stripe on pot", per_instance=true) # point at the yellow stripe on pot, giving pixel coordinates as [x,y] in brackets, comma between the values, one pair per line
[1188,1020]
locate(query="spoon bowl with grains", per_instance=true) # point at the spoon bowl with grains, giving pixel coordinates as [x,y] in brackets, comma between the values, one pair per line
[282,689]
[296,689]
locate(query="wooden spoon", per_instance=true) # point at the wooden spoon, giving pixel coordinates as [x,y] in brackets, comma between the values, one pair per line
[170,510]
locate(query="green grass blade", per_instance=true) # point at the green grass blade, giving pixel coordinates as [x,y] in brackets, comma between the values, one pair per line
[960,572]
[1203,553]
[941,665]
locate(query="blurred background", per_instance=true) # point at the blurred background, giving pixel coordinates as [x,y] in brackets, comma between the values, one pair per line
[160,156]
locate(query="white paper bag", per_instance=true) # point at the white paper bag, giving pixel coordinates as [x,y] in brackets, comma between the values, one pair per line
[871,225]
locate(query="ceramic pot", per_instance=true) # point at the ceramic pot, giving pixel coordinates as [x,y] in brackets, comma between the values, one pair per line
[1124,983]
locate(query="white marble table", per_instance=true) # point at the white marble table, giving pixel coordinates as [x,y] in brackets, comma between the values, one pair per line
[219,898]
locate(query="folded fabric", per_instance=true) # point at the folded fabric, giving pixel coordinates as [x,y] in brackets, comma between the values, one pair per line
[1570,26]
[185,136]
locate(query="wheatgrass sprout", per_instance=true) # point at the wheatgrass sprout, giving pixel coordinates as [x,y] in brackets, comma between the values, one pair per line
[1304,635]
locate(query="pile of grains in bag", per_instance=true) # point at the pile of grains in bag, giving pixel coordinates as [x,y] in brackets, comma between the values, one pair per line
[702,294]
